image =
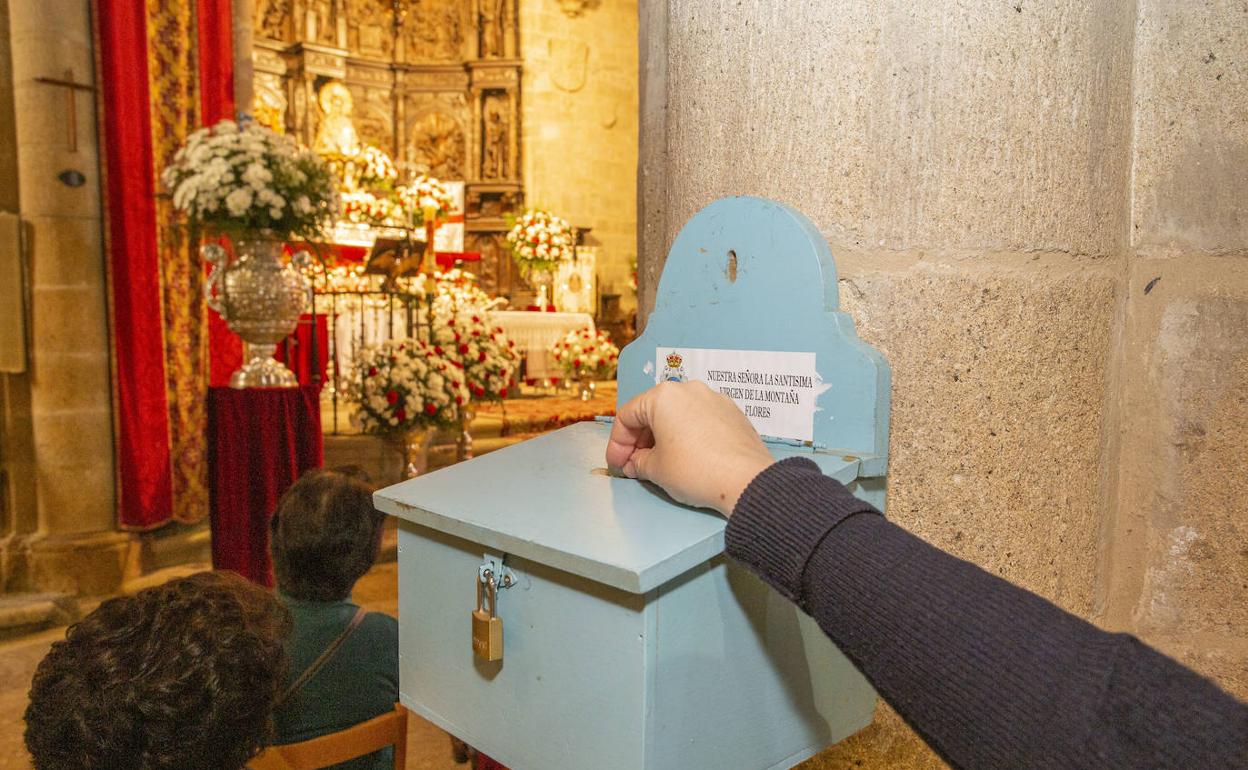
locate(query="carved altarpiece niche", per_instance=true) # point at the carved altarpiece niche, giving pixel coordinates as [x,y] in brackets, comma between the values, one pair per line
[434,83]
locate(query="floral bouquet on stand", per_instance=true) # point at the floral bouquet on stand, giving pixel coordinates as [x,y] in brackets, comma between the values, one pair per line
[246,180]
[539,242]
[457,290]
[425,201]
[364,208]
[374,170]
[369,168]
[586,356]
[488,358]
[262,190]
[406,389]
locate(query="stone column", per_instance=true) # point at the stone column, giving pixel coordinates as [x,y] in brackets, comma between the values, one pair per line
[77,547]
[17,455]
[244,70]
[1178,565]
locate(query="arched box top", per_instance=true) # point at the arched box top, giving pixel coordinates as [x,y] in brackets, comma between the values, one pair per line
[748,302]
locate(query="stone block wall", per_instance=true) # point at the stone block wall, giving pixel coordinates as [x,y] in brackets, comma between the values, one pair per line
[1038,209]
[579,135]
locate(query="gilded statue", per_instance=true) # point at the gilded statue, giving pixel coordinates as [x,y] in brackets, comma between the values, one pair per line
[437,34]
[494,165]
[437,146]
[272,17]
[323,22]
[269,107]
[491,28]
[336,134]
[370,27]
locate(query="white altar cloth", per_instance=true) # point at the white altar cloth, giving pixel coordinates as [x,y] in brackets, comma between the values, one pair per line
[535,332]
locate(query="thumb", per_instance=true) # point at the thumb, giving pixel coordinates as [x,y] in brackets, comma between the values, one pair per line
[638,464]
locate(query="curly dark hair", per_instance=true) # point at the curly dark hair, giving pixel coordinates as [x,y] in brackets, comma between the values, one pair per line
[183,675]
[324,535]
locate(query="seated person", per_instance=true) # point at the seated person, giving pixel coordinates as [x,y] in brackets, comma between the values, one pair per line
[344,662]
[181,675]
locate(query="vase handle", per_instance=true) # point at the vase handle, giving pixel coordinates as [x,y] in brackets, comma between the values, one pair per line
[215,255]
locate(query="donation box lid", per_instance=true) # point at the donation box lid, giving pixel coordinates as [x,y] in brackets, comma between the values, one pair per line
[551,501]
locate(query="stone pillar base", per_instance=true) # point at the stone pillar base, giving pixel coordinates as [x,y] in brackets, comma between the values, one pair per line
[92,564]
[12,563]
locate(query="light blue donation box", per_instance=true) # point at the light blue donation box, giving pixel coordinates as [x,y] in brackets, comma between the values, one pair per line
[555,616]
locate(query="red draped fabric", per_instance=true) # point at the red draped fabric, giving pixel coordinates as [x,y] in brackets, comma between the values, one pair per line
[259,442]
[308,362]
[147,50]
[145,492]
[216,61]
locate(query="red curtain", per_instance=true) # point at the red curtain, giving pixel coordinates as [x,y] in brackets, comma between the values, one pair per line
[145,493]
[158,394]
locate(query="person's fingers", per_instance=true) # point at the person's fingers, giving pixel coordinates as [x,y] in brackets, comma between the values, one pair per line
[638,464]
[618,453]
[623,442]
[630,430]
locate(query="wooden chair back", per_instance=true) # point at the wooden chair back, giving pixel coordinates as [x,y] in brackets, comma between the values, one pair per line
[377,733]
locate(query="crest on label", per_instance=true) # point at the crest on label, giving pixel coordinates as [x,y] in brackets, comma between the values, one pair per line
[673,369]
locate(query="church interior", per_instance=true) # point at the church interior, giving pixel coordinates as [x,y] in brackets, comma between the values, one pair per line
[250,243]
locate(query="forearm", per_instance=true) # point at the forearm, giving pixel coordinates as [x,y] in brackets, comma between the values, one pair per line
[989,674]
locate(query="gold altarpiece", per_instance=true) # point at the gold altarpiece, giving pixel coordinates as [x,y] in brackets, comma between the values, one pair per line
[435,83]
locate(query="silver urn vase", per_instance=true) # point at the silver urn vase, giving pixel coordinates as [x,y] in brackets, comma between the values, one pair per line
[261,298]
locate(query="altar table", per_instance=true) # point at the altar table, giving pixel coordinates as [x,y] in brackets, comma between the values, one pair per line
[535,332]
[260,440]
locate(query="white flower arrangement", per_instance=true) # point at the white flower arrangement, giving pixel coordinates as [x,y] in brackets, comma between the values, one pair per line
[586,354]
[425,196]
[404,384]
[488,357]
[363,207]
[367,168]
[540,240]
[235,180]
[456,290]
[374,168]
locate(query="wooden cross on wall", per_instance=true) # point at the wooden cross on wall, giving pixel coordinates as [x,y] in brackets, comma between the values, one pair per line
[71,87]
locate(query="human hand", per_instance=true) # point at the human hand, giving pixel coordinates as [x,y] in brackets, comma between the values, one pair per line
[693,442]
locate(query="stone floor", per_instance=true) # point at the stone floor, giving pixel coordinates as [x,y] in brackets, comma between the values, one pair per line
[428,747]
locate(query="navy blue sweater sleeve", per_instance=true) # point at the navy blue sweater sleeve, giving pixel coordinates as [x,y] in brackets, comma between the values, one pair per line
[988,673]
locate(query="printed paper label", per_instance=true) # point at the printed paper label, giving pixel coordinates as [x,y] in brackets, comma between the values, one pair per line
[777,391]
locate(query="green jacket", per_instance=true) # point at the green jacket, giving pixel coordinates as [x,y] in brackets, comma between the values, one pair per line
[359,682]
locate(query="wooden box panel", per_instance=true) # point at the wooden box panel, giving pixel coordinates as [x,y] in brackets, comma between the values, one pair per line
[571,685]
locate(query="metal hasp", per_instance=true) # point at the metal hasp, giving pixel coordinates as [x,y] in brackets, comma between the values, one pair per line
[632,641]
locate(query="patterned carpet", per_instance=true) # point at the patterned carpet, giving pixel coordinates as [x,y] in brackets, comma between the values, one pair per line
[532,414]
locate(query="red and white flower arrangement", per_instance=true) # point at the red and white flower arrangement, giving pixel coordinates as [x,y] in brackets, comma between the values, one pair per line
[363,207]
[586,354]
[458,290]
[425,198]
[539,240]
[404,384]
[488,357]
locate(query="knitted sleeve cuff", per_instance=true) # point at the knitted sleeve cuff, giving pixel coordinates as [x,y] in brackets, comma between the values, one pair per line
[781,518]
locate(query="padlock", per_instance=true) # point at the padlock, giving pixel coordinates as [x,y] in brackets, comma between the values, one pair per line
[487,628]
